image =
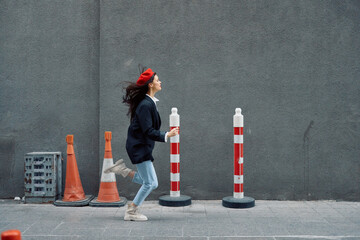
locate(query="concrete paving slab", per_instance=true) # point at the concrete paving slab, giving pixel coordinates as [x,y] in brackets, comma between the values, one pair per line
[201,220]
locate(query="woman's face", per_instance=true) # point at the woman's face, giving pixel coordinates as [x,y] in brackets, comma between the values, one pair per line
[155,85]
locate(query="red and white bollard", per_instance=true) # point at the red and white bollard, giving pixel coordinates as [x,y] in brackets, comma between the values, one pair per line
[238,200]
[175,155]
[238,154]
[175,199]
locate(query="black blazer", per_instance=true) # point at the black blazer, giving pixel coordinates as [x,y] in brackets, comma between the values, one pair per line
[144,131]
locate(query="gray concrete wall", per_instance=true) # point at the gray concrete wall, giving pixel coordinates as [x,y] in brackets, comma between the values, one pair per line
[292,66]
[49,72]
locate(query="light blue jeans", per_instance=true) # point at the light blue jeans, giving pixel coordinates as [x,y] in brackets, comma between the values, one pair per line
[146,176]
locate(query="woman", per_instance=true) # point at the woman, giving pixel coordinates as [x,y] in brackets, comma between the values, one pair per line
[142,134]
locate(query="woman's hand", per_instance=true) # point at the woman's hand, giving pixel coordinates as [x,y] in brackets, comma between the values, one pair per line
[173,132]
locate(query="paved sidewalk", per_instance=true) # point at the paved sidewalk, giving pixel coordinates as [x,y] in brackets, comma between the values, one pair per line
[284,220]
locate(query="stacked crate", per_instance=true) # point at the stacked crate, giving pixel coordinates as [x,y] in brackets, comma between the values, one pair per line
[42,177]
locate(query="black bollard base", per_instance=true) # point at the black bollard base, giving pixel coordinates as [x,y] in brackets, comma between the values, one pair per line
[245,202]
[169,201]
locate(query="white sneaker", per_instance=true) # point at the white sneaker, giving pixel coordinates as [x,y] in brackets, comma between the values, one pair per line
[132,214]
[119,168]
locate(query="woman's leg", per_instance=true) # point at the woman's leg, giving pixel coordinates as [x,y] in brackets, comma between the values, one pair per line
[146,176]
[136,178]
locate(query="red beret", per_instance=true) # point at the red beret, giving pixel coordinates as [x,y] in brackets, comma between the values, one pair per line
[145,77]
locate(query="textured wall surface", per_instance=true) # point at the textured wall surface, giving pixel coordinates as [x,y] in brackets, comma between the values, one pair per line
[49,71]
[292,66]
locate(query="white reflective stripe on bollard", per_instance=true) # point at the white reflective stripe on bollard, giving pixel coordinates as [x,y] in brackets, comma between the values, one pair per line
[238,139]
[175,194]
[174,158]
[175,177]
[238,195]
[175,139]
[238,179]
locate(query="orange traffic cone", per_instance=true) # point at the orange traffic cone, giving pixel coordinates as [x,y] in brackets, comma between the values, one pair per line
[11,235]
[74,194]
[108,193]
[73,187]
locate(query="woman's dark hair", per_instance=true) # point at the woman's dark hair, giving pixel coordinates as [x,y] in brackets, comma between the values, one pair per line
[134,94]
